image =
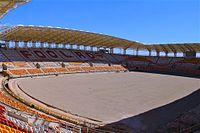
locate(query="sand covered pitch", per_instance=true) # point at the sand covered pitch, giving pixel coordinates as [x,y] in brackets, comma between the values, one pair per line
[109,97]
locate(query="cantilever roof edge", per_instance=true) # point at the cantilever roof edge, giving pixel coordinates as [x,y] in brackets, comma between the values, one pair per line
[173,47]
[9,5]
[65,36]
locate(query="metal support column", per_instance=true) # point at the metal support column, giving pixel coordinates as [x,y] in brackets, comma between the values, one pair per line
[91,48]
[137,52]
[150,53]
[71,46]
[124,51]
[85,48]
[16,44]
[157,53]
[111,50]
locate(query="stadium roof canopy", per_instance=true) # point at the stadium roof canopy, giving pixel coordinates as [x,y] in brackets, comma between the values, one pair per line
[69,36]
[174,48]
[8,5]
[64,36]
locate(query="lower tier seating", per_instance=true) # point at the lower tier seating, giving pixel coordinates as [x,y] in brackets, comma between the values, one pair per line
[88,69]
[48,70]
[10,102]
[74,69]
[18,72]
[60,70]
[35,71]
[9,126]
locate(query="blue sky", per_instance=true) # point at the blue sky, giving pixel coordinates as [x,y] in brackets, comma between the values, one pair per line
[147,21]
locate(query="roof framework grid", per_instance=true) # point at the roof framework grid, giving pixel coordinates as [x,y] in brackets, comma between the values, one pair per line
[175,48]
[69,36]
[8,5]
[64,36]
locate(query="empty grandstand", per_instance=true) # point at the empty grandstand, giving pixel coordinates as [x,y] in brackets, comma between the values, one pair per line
[96,89]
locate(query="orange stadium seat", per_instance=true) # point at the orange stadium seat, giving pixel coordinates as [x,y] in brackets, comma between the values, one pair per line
[118,67]
[60,69]
[18,72]
[20,64]
[75,63]
[88,68]
[75,69]
[9,126]
[108,68]
[192,61]
[34,71]
[48,70]
[100,68]
[17,105]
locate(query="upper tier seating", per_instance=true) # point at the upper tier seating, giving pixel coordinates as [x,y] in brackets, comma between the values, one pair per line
[164,61]
[54,55]
[67,55]
[107,58]
[189,60]
[12,54]
[120,58]
[27,55]
[3,57]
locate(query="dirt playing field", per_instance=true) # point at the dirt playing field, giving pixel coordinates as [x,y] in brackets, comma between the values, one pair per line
[109,97]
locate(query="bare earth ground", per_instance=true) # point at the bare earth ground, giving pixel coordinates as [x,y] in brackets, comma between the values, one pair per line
[109,97]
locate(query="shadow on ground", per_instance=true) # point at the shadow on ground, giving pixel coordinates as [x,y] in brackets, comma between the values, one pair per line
[149,121]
